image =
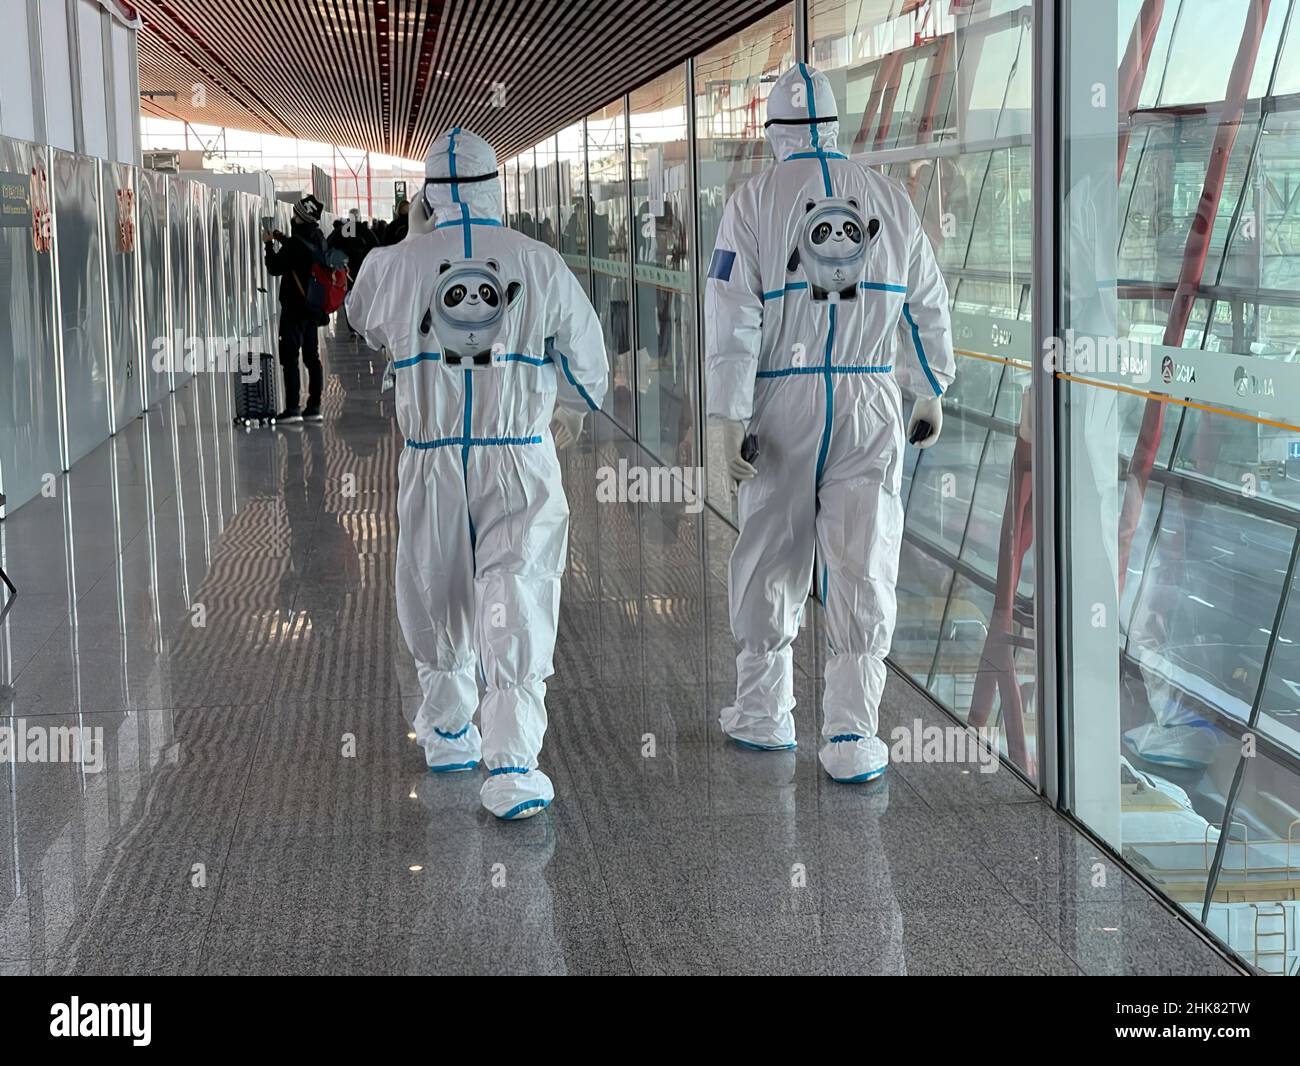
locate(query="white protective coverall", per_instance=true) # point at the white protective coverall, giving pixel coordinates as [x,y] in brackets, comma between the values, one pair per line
[817,262]
[488,330]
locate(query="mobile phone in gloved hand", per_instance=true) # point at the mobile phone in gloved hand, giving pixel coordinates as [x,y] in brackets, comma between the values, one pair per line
[749,448]
[919,432]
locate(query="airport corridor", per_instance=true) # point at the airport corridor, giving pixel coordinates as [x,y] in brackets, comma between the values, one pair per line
[219,602]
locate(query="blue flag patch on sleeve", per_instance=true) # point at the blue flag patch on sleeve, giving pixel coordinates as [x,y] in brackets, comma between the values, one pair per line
[721,264]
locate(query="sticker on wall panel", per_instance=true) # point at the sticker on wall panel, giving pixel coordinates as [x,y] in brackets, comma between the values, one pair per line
[992,337]
[1266,385]
[15,200]
[42,218]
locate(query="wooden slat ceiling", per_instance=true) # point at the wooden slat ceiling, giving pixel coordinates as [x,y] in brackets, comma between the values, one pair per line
[390,75]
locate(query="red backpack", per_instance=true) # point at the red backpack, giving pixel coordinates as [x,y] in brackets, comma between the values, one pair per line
[327,284]
[327,288]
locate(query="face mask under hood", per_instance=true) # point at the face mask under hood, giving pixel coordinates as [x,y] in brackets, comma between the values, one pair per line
[801,113]
[463,167]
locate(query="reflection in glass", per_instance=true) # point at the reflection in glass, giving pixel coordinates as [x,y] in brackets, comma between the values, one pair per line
[607,204]
[571,160]
[665,301]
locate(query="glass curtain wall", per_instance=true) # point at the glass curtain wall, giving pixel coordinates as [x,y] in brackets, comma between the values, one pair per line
[1179,263]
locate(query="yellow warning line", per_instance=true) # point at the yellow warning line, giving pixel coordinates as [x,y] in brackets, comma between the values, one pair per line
[1159,397]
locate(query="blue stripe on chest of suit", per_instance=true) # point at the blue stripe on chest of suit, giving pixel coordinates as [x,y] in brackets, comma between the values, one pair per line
[422,357]
[509,357]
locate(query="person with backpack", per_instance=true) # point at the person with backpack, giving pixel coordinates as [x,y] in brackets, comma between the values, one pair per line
[300,260]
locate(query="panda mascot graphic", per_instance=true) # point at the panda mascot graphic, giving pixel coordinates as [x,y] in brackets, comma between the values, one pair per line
[470,307]
[832,248]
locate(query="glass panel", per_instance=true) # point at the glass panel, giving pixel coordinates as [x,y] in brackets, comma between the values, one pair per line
[608,198]
[547,225]
[1181,515]
[152,238]
[512,193]
[937,97]
[665,293]
[527,224]
[81,299]
[121,227]
[29,384]
[570,148]
[732,80]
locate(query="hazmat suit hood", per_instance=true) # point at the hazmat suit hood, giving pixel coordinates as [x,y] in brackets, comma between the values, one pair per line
[801,113]
[459,154]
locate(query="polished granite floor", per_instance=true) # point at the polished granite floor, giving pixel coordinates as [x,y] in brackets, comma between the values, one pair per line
[220,604]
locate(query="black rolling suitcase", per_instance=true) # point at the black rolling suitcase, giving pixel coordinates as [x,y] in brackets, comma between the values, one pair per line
[255,403]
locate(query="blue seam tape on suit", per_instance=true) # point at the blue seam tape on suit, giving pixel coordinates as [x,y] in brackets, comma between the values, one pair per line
[920,350]
[564,365]
[510,357]
[792,371]
[471,442]
[431,357]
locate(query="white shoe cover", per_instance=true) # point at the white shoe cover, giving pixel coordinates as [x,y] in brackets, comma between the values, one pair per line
[758,733]
[512,792]
[448,753]
[852,759]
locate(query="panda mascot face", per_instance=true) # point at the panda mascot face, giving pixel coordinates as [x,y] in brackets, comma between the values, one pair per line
[832,247]
[469,310]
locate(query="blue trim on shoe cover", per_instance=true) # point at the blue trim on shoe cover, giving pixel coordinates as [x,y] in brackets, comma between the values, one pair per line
[509,770]
[519,808]
[764,747]
[860,778]
[453,767]
[452,736]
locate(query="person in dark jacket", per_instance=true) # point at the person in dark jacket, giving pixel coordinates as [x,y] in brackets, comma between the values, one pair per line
[299,324]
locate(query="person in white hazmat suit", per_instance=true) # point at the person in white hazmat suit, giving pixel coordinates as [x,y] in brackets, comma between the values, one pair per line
[824,304]
[498,356]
